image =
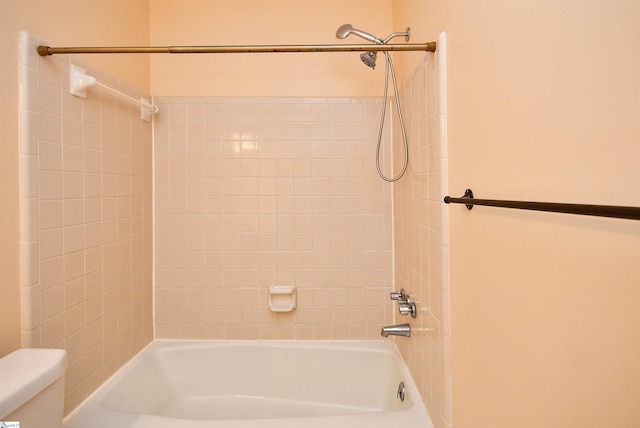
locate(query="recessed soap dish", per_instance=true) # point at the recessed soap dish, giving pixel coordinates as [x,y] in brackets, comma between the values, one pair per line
[282,298]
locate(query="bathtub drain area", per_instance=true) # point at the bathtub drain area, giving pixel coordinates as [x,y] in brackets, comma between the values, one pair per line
[401,391]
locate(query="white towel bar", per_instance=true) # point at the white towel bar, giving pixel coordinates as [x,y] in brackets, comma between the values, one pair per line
[79,81]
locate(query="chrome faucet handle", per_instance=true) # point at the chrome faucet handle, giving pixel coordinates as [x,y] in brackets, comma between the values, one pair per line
[398,296]
[408,308]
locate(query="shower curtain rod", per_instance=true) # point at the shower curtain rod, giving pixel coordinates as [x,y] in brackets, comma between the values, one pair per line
[426,47]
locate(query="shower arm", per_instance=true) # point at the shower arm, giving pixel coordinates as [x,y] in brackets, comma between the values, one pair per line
[424,47]
[405,34]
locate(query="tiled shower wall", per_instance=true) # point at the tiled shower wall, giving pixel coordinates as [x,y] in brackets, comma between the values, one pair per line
[86,228]
[421,234]
[253,192]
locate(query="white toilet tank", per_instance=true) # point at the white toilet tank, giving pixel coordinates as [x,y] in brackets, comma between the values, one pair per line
[32,387]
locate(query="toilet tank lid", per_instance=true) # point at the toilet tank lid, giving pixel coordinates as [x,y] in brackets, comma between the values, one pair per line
[25,373]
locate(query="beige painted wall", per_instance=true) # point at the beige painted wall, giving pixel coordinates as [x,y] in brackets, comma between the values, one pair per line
[67,22]
[277,22]
[544,101]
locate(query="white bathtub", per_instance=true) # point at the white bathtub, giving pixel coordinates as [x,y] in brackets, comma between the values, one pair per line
[266,384]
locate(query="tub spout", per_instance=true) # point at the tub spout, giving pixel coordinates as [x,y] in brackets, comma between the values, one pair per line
[396,330]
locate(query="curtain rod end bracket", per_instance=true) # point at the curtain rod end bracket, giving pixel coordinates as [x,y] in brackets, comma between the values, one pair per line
[43,50]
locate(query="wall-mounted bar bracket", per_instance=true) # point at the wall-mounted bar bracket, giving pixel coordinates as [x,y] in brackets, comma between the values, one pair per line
[469,195]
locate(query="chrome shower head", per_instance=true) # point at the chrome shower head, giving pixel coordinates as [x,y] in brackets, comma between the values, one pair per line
[347,29]
[369,58]
[344,31]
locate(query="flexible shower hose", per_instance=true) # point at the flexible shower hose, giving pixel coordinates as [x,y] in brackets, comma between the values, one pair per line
[389,66]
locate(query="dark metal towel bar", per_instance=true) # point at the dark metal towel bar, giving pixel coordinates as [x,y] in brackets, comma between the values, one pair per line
[632,213]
